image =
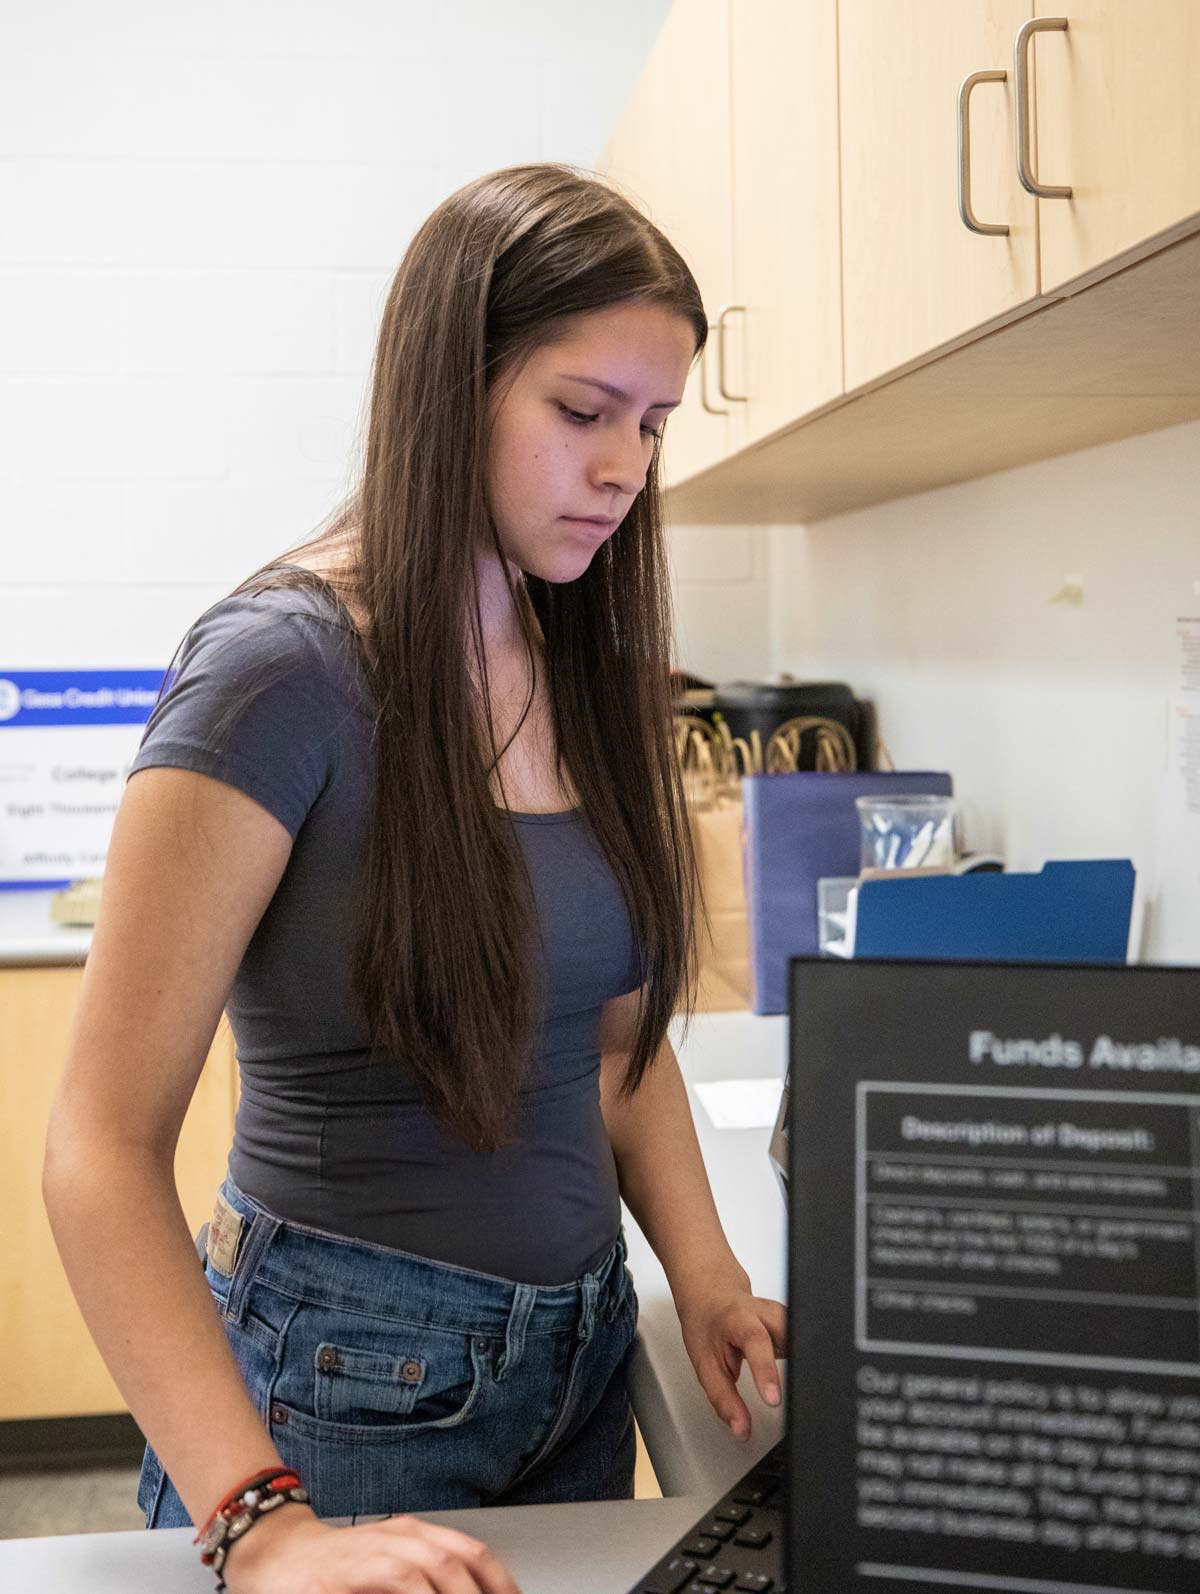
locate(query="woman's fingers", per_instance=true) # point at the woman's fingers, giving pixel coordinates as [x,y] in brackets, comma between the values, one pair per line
[760,1353]
[751,1335]
[723,1396]
[723,1333]
[774,1317]
[434,1568]
[447,1548]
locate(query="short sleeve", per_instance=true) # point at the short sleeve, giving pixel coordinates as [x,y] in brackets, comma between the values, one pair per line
[252,702]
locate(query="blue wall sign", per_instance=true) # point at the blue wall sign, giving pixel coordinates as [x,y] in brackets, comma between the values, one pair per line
[67,739]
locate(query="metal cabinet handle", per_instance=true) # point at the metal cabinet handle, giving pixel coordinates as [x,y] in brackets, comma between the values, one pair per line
[726,309]
[1021,78]
[969,218]
[711,408]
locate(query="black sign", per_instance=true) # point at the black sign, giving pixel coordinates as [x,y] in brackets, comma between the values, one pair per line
[994,1294]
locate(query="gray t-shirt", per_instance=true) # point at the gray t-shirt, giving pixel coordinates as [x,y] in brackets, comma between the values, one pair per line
[324,1136]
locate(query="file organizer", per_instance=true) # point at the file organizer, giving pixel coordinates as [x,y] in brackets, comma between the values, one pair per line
[800,827]
[1072,912]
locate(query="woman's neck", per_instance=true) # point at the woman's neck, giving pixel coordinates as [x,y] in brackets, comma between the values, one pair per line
[499,619]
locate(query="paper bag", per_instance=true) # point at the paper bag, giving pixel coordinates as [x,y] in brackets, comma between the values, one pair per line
[724,942]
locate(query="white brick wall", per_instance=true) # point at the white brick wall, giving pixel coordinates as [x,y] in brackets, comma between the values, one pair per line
[201,207]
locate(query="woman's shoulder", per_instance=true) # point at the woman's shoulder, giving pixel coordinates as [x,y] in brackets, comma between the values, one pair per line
[263,603]
[263,697]
[277,626]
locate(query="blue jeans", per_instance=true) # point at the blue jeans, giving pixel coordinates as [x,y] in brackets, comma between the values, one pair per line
[391,1382]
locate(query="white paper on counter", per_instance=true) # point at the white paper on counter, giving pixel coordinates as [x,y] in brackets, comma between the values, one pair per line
[741,1103]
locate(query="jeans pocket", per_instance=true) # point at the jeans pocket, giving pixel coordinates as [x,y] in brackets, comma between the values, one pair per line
[358,1385]
[374,1460]
[392,1377]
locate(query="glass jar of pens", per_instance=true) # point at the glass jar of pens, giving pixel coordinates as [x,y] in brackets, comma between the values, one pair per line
[913,832]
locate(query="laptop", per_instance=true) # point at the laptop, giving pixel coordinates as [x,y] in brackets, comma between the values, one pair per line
[993,1183]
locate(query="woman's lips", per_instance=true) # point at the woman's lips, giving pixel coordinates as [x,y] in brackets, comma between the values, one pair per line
[602,527]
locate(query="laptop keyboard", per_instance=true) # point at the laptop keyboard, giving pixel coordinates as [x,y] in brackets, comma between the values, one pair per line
[737,1546]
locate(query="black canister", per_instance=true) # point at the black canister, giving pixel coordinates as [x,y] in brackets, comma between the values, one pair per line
[764,706]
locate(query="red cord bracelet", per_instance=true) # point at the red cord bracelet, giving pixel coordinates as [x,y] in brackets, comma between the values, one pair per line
[240,1510]
[284,1475]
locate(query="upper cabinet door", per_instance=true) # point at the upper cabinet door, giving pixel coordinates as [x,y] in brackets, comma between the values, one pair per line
[786,345]
[1118,122]
[671,154]
[914,276]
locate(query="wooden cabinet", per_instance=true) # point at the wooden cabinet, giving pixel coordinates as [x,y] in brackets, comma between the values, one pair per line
[785,211]
[806,159]
[729,143]
[61,1373]
[1118,121]
[914,276]
[1113,115]
[671,156]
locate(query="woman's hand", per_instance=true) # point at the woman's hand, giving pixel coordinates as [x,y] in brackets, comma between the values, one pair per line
[293,1552]
[722,1327]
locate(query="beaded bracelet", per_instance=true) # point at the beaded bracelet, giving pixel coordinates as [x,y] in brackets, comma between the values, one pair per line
[240,1510]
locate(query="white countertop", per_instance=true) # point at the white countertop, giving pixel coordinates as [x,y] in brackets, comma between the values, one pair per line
[28,935]
[690,1448]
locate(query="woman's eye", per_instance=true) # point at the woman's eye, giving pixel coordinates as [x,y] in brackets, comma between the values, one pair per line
[579,419]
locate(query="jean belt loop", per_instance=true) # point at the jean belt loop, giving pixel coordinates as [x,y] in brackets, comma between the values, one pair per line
[613,1274]
[587,1311]
[614,1283]
[514,1334]
[262,1229]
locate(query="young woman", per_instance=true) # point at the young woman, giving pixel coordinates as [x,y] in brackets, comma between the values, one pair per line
[409,810]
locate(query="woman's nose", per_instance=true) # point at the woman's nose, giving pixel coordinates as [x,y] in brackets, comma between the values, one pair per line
[625,463]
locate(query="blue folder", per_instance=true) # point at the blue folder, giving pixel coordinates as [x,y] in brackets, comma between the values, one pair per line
[799,828]
[1072,912]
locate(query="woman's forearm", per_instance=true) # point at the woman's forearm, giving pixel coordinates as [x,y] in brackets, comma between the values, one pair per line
[132,1266]
[663,1179]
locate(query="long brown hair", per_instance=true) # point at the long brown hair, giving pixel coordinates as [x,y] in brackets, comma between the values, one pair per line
[444,965]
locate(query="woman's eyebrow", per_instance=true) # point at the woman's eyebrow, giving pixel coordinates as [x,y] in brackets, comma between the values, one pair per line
[615,392]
